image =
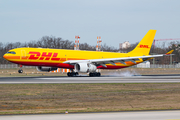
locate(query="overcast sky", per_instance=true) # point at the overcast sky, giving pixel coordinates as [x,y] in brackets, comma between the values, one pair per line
[115,21]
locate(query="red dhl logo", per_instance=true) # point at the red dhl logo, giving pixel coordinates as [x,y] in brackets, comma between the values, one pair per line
[144,46]
[45,56]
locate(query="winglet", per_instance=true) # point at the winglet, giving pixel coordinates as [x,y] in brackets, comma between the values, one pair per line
[168,53]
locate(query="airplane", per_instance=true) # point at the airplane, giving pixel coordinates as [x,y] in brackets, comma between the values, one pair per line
[79,61]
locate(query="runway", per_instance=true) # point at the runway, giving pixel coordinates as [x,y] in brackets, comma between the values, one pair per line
[146,115]
[83,79]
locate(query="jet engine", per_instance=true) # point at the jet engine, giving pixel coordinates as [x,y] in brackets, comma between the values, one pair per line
[85,67]
[47,69]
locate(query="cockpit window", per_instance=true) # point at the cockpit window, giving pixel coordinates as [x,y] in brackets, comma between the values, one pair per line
[11,52]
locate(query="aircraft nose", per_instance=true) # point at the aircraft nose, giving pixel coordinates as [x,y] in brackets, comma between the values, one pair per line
[5,56]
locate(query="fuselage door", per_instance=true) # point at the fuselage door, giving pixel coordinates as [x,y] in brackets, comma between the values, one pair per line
[23,55]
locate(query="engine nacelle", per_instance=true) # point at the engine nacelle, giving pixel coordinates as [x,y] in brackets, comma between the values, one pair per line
[85,67]
[47,69]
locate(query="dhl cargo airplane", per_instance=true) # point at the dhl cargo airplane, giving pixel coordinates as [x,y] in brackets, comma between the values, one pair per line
[82,61]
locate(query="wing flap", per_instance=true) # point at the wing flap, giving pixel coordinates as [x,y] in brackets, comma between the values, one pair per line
[120,61]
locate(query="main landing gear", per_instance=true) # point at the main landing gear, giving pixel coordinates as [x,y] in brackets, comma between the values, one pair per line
[95,74]
[91,74]
[71,74]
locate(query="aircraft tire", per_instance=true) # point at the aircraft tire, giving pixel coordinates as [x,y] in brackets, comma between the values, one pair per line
[20,71]
[76,73]
[98,74]
[68,74]
[71,74]
[91,74]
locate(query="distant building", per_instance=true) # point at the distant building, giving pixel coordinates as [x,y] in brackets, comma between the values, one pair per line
[145,64]
[124,45]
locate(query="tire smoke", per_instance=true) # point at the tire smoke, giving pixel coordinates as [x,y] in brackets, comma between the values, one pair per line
[125,74]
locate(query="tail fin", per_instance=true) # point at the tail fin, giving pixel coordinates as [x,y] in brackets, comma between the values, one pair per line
[144,46]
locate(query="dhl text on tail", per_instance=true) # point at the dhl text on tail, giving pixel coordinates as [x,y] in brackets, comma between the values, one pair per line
[82,61]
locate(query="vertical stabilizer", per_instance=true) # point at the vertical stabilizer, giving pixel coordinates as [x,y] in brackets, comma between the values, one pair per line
[144,46]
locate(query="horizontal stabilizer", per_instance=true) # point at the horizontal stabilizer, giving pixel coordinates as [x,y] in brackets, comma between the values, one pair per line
[168,53]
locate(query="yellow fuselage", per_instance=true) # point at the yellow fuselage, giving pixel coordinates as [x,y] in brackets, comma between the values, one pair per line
[56,57]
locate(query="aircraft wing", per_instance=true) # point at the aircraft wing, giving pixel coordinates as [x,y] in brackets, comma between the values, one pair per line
[112,61]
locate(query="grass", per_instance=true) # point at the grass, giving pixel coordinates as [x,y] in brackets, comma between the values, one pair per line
[27,72]
[58,98]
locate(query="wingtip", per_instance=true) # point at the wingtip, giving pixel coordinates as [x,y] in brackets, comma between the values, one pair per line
[168,53]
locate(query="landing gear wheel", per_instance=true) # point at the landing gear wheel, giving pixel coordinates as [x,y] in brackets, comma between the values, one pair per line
[20,71]
[97,74]
[71,74]
[91,74]
[76,73]
[68,74]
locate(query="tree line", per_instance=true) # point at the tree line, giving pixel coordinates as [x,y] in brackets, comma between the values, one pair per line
[59,43]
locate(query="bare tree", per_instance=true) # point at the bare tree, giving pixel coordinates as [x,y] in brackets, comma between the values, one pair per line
[59,43]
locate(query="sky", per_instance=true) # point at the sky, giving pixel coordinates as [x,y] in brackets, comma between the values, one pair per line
[116,21]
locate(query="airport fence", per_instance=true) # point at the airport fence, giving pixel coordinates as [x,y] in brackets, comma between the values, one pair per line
[164,66]
[156,66]
[6,66]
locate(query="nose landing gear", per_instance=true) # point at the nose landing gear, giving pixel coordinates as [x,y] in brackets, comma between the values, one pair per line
[20,70]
